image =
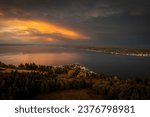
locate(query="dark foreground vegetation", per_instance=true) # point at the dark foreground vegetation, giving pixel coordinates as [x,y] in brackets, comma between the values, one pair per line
[30,80]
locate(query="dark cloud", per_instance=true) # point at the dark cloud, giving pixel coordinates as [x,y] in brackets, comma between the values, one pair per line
[77,10]
[107,22]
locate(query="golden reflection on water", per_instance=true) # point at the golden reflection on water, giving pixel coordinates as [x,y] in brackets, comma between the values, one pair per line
[41,58]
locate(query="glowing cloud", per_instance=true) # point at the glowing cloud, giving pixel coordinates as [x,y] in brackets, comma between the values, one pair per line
[33,29]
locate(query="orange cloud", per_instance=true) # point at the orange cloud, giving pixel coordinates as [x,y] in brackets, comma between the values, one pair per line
[51,40]
[33,28]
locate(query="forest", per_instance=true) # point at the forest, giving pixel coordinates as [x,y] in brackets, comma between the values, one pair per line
[26,81]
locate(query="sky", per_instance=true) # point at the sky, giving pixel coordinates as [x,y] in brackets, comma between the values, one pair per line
[124,23]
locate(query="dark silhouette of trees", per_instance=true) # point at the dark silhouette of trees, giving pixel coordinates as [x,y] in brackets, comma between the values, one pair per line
[46,79]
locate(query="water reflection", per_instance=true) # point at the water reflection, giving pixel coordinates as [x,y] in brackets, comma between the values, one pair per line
[126,66]
[41,58]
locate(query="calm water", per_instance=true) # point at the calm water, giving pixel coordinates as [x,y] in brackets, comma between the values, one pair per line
[125,66]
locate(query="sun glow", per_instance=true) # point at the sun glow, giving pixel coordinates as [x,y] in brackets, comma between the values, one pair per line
[34,28]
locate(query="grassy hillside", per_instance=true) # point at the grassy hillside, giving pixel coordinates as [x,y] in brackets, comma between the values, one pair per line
[31,81]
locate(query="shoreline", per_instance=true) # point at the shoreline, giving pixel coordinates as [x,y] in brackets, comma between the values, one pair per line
[117,53]
[73,81]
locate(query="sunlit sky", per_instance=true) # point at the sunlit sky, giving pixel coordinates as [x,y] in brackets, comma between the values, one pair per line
[36,31]
[80,22]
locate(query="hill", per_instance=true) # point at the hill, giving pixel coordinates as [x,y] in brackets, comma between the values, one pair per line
[73,81]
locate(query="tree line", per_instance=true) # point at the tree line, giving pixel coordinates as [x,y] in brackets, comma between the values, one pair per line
[47,79]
